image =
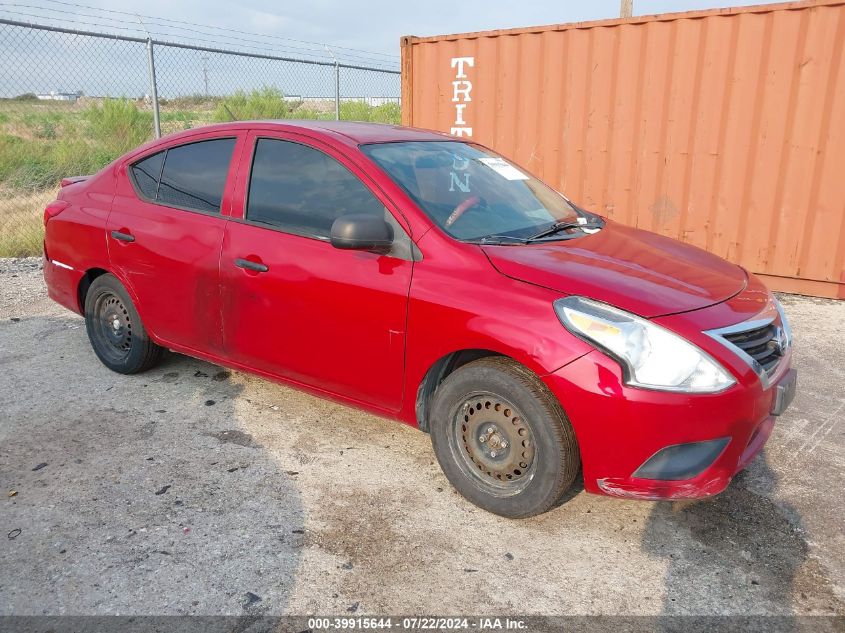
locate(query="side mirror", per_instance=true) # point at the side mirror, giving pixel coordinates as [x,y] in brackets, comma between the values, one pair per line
[362,232]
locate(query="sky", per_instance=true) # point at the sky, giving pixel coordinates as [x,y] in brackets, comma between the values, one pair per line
[374,26]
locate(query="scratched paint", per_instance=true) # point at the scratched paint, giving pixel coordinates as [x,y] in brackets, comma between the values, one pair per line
[723,128]
[620,488]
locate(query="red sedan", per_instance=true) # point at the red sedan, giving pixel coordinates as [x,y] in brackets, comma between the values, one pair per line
[427,279]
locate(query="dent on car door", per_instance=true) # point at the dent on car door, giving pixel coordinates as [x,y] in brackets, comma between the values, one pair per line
[295,306]
[165,232]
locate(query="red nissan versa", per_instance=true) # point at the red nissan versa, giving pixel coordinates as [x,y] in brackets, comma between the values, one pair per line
[425,278]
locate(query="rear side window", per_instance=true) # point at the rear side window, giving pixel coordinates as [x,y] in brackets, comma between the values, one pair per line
[301,190]
[189,176]
[146,174]
[194,175]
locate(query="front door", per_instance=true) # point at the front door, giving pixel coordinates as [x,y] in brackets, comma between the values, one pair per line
[295,306]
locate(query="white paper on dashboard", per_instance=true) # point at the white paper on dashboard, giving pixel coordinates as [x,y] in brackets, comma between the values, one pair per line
[503,168]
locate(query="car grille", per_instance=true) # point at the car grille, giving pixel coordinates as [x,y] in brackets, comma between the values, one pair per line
[762,344]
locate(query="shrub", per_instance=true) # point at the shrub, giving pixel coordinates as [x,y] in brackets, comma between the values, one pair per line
[43,124]
[362,111]
[266,103]
[119,124]
[30,166]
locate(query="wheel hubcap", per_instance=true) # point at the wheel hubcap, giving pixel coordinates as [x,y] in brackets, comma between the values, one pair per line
[113,327]
[495,440]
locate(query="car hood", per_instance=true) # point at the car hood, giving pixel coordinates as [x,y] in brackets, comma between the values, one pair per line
[642,272]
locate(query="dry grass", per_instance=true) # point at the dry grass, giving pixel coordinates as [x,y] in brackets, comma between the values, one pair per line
[42,142]
[21,222]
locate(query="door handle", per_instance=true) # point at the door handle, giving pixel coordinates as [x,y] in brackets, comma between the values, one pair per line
[250,265]
[123,237]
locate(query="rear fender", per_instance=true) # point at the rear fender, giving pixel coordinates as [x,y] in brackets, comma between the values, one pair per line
[89,276]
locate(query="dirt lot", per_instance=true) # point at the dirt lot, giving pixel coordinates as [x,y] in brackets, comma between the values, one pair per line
[194,490]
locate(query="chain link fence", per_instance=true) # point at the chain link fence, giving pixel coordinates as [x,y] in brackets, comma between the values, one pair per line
[72,101]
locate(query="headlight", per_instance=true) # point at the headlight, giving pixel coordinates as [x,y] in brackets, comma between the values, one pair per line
[651,356]
[787,331]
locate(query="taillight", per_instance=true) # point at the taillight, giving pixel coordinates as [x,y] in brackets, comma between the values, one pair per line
[54,208]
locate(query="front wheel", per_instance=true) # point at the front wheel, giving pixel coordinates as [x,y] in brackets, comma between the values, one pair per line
[502,439]
[115,329]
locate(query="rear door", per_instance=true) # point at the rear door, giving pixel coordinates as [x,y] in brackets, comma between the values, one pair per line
[295,306]
[165,232]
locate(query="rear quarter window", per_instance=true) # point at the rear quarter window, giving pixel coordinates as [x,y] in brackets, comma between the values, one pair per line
[145,175]
[190,177]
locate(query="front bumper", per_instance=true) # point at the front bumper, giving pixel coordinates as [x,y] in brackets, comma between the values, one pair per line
[620,428]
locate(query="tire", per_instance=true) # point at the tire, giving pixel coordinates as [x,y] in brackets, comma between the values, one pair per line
[502,438]
[114,328]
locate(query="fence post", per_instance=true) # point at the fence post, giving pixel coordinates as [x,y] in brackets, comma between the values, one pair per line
[153,88]
[336,91]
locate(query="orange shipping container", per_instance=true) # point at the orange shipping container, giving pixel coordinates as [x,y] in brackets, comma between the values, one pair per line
[723,128]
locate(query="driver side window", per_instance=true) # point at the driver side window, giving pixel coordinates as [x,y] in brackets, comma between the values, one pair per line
[300,190]
[303,191]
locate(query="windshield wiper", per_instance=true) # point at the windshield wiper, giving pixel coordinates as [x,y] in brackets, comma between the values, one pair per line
[498,239]
[557,227]
[551,230]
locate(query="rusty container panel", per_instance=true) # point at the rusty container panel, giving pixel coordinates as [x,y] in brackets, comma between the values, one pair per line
[724,128]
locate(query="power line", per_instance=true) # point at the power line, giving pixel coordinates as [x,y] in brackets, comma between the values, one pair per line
[228,40]
[221,28]
[263,46]
[192,46]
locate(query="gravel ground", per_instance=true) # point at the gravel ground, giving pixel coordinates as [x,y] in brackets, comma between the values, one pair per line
[195,490]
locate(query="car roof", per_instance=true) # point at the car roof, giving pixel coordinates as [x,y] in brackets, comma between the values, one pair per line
[366,132]
[351,132]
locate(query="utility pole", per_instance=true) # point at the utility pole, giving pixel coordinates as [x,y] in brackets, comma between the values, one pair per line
[151,66]
[205,73]
[153,88]
[336,84]
[626,8]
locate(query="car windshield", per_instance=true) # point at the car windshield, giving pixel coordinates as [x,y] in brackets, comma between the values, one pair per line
[474,194]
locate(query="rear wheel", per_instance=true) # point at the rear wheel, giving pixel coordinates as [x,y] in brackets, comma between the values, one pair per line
[502,439]
[115,329]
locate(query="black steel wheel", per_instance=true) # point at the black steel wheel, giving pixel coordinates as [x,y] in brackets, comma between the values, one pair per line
[494,442]
[112,327]
[115,330]
[502,438]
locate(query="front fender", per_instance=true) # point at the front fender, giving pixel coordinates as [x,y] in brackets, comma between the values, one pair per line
[459,302]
